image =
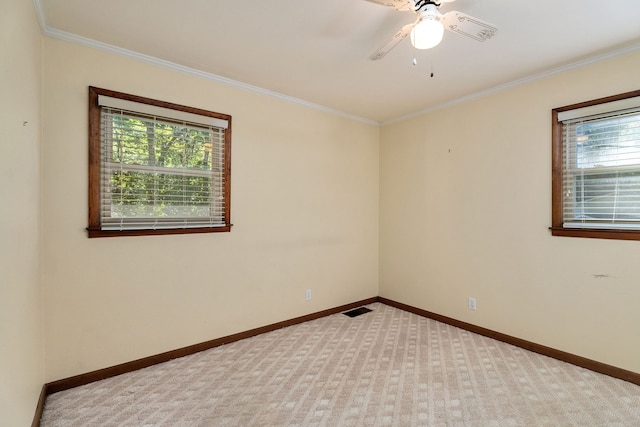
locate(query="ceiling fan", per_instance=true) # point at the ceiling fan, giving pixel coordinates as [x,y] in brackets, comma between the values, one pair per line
[427,31]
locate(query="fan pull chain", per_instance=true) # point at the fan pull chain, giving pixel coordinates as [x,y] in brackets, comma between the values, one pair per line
[431,63]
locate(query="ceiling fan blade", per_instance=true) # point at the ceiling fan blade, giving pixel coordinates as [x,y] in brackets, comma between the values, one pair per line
[393,41]
[401,5]
[469,26]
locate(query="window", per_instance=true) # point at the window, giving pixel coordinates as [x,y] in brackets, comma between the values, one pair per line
[156,167]
[596,168]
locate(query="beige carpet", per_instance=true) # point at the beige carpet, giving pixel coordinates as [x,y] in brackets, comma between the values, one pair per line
[384,368]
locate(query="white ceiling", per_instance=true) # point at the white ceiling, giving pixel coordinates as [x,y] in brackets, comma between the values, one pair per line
[317,51]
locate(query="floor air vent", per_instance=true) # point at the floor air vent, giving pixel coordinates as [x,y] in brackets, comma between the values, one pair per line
[357,312]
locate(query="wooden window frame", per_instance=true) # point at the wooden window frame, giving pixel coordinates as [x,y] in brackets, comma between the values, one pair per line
[94,228]
[557,228]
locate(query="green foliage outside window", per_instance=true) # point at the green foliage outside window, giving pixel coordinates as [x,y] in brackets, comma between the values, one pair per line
[160,168]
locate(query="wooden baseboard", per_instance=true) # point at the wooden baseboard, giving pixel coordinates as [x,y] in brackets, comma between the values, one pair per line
[40,408]
[602,368]
[89,377]
[101,374]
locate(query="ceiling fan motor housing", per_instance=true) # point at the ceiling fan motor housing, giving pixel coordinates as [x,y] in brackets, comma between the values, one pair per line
[420,4]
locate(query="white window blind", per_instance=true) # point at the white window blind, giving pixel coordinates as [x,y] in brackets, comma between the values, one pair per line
[601,166]
[160,168]
[155,110]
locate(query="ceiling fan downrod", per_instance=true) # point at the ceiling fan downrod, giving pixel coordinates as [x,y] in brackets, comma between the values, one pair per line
[420,4]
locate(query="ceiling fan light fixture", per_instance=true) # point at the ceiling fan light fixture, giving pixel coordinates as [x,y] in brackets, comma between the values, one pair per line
[427,33]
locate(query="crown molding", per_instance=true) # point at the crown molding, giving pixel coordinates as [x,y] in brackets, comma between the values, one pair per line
[73,38]
[105,47]
[620,51]
[37,6]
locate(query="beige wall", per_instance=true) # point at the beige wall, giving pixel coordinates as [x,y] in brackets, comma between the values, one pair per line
[21,353]
[465,196]
[304,209]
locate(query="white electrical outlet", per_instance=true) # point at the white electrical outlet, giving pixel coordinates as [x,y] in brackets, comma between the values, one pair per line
[472,303]
[307,294]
